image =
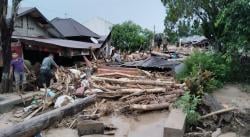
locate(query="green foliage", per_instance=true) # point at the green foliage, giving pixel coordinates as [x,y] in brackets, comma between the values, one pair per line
[215,63]
[235,20]
[200,14]
[189,103]
[204,72]
[130,37]
[181,29]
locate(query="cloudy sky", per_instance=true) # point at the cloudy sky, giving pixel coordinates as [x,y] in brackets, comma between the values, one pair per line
[146,13]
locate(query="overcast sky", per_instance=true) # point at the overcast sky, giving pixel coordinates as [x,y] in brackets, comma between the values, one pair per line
[146,13]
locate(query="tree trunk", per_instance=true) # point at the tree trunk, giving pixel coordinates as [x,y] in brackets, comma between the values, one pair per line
[6,29]
[6,55]
[36,124]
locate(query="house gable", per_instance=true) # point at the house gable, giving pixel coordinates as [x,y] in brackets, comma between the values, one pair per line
[30,22]
[28,27]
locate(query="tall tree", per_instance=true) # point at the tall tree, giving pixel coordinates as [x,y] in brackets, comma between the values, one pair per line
[204,12]
[130,37]
[6,30]
[235,20]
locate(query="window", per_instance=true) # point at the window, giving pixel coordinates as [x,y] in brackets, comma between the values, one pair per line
[19,23]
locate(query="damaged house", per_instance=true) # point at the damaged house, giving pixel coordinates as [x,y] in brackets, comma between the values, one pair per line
[72,30]
[103,28]
[35,36]
[195,41]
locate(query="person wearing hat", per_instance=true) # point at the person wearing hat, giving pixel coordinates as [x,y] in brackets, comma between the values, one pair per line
[18,66]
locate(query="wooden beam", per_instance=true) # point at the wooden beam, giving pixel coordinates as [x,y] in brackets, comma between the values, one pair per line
[142,82]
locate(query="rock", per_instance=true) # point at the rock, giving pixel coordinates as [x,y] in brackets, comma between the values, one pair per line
[175,124]
[80,91]
[89,127]
[216,133]
[229,134]
[63,100]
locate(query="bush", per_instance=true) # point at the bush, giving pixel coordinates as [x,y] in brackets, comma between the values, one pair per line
[204,72]
[189,103]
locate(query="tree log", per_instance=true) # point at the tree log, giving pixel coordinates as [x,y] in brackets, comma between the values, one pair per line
[129,71]
[155,90]
[118,75]
[136,100]
[133,94]
[138,92]
[142,82]
[218,112]
[149,107]
[35,125]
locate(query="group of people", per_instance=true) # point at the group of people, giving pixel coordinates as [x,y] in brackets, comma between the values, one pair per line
[18,68]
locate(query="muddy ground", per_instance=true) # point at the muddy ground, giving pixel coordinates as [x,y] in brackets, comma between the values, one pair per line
[143,125]
[232,95]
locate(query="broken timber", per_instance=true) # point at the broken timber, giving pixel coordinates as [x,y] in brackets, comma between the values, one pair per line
[142,82]
[43,121]
[149,107]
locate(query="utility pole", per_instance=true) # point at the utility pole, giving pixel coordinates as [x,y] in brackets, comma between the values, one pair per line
[65,15]
[153,41]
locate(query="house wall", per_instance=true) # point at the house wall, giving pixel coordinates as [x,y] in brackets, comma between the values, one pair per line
[27,26]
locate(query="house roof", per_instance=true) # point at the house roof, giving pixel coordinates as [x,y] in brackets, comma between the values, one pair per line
[153,62]
[21,11]
[99,25]
[71,28]
[38,16]
[58,42]
[192,39]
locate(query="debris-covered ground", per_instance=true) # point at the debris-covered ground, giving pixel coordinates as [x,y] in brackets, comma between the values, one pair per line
[235,122]
[130,101]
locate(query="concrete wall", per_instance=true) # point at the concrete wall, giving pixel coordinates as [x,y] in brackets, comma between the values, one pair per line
[27,26]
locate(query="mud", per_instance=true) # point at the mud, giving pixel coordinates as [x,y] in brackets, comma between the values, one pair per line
[143,125]
[231,95]
[60,132]
[8,119]
[146,125]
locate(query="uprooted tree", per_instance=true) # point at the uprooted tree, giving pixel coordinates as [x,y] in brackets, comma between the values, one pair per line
[6,30]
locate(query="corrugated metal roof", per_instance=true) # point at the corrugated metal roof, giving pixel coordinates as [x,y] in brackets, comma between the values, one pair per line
[71,28]
[99,25]
[151,62]
[60,42]
[192,39]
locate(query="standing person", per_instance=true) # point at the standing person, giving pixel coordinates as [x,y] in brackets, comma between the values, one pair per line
[45,70]
[18,66]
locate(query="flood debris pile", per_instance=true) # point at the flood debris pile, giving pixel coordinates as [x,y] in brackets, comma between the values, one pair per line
[129,90]
[118,89]
[140,92]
